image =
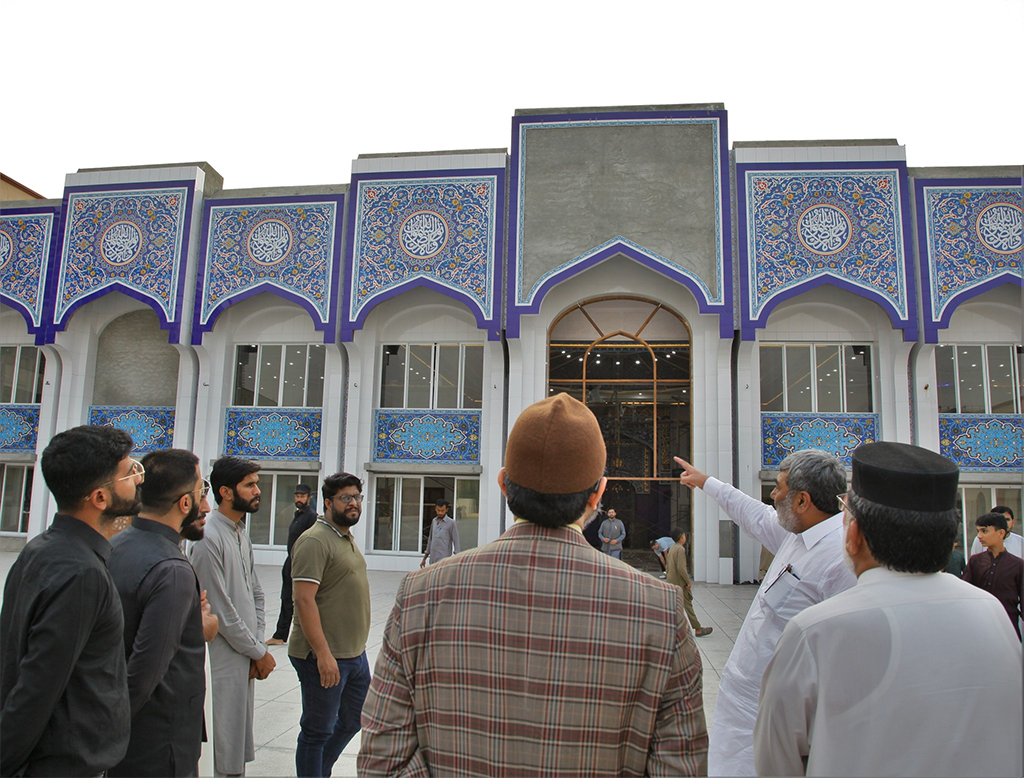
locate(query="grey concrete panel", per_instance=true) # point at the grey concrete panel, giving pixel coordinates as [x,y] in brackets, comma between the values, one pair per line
[651,184]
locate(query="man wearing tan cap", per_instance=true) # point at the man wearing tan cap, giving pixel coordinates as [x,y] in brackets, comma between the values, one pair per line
[536,654]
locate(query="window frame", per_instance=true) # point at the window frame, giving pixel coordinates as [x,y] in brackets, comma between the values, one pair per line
[435,351]
[282,366]
[397,517]
[1016,359]
[27,478]
[813,375]
[38,375]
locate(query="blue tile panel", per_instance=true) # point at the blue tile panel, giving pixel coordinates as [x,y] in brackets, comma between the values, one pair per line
[973,238]
[804,226]
[273,433]
[19,428]
[440,230]
[134,240]
[290,246]
[983,442]
[151,428]
[416,437]
[837,433]
[25,245]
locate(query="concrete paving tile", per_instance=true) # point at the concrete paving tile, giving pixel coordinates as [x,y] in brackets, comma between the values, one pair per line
[274,719]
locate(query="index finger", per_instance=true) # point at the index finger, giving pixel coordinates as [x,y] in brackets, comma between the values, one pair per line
[686,465]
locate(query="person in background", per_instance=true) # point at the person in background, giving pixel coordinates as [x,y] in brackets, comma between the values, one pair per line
[165,634]
[443,540]
[660,548]
[677,575]
[305,515]
[859,684]
[804,531]
[226,568]
[63,681]
[1013,542]
[995,570]
[612,533]
[536,654]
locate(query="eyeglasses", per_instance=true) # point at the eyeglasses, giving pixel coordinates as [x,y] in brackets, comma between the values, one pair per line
[136,470]
[205,490]
[347,498]
[844,503]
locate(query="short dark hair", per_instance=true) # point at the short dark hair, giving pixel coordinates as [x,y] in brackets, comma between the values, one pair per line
[676,534]
[655,544]
[230,472]
[170,473]
[904,540]
[545,510]
[993,519]
[443,502]
[335,483]
[81,459]
[819,474]
[1003,509]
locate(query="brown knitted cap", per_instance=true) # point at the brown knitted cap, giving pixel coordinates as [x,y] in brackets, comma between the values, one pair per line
[556,447]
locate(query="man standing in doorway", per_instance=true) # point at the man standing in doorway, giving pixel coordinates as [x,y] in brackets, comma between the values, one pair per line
[328,645]
[444,535]
[164,625]
[612,533]
[63,688]
[224,562]
[305,515]
[805,532]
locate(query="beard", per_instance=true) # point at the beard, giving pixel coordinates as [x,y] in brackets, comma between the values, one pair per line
[787,519]
[245,506]
[591,516]
[120,506]
[346,517]
[191,529]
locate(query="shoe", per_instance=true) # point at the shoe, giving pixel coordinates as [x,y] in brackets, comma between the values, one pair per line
[703,631]
[275,642]
[662,576]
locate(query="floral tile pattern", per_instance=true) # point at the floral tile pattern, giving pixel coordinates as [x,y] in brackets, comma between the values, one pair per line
[415,436]
[837,433]
[25,244]
[19,428]
[151,428]
[273,433]
[983,442]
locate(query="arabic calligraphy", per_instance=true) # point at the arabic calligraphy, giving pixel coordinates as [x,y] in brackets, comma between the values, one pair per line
[120,243]
[824,229]
[423,234]
[1001,228]
[269,242]
[6,248]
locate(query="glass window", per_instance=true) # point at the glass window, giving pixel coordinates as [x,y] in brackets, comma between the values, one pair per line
[409,521]
[772,394]
[384,514]
[841,382]
[21,374]
[15,497]
[975,501]
[798,379]
[857,361]
[287,376]
[432,376]
[978,379]
[407,528]
[467,511]
[830,390]
[269,525]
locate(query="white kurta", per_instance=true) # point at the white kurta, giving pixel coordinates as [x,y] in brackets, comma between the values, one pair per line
[226,568]
[807,569]
[905,674]
[1014,544]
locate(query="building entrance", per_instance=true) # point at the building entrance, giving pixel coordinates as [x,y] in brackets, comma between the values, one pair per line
[628,359]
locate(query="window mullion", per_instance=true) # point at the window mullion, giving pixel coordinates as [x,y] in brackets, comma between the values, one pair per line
[785,381]
[841,356]
[461,380]
[282,365]
[956,378]
[986,380]
[305,376]
[257,378]
[814,378]
[435,358]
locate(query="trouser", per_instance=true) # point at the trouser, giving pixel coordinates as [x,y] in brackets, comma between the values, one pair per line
[688,605]
[284,621]
[330,717]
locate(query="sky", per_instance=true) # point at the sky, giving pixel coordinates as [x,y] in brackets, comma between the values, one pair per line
[279,94]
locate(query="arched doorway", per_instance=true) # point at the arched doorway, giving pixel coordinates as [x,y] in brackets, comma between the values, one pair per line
[628,359]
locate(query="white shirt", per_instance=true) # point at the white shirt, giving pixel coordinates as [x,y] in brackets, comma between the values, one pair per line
[808,568]
[1013,543]
[905,674]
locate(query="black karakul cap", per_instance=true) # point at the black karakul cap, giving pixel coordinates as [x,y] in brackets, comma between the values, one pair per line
[906,477]
[302,489]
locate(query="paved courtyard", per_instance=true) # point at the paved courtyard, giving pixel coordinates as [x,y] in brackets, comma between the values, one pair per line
[277,698]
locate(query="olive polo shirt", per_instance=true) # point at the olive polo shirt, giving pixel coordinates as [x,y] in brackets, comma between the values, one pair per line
[326,556]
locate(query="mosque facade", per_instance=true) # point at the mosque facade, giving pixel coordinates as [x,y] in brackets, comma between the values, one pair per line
[728,303]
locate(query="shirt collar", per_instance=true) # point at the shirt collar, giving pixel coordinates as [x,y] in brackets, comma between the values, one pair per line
[216,515]
[338,531]
[574,525]
[811,536]
[79,529]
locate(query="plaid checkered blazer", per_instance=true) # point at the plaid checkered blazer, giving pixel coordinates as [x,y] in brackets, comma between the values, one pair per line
[535,655]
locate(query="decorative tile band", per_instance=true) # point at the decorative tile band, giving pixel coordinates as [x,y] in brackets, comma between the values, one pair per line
[440,229]
[437,437]
[803,225]
[151,428]
[837,433]
[19,428]
[288,245]
[983,442]
[24,256]
[273,433]
[133,239]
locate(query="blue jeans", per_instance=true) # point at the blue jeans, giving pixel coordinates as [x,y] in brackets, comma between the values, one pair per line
[330,717]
